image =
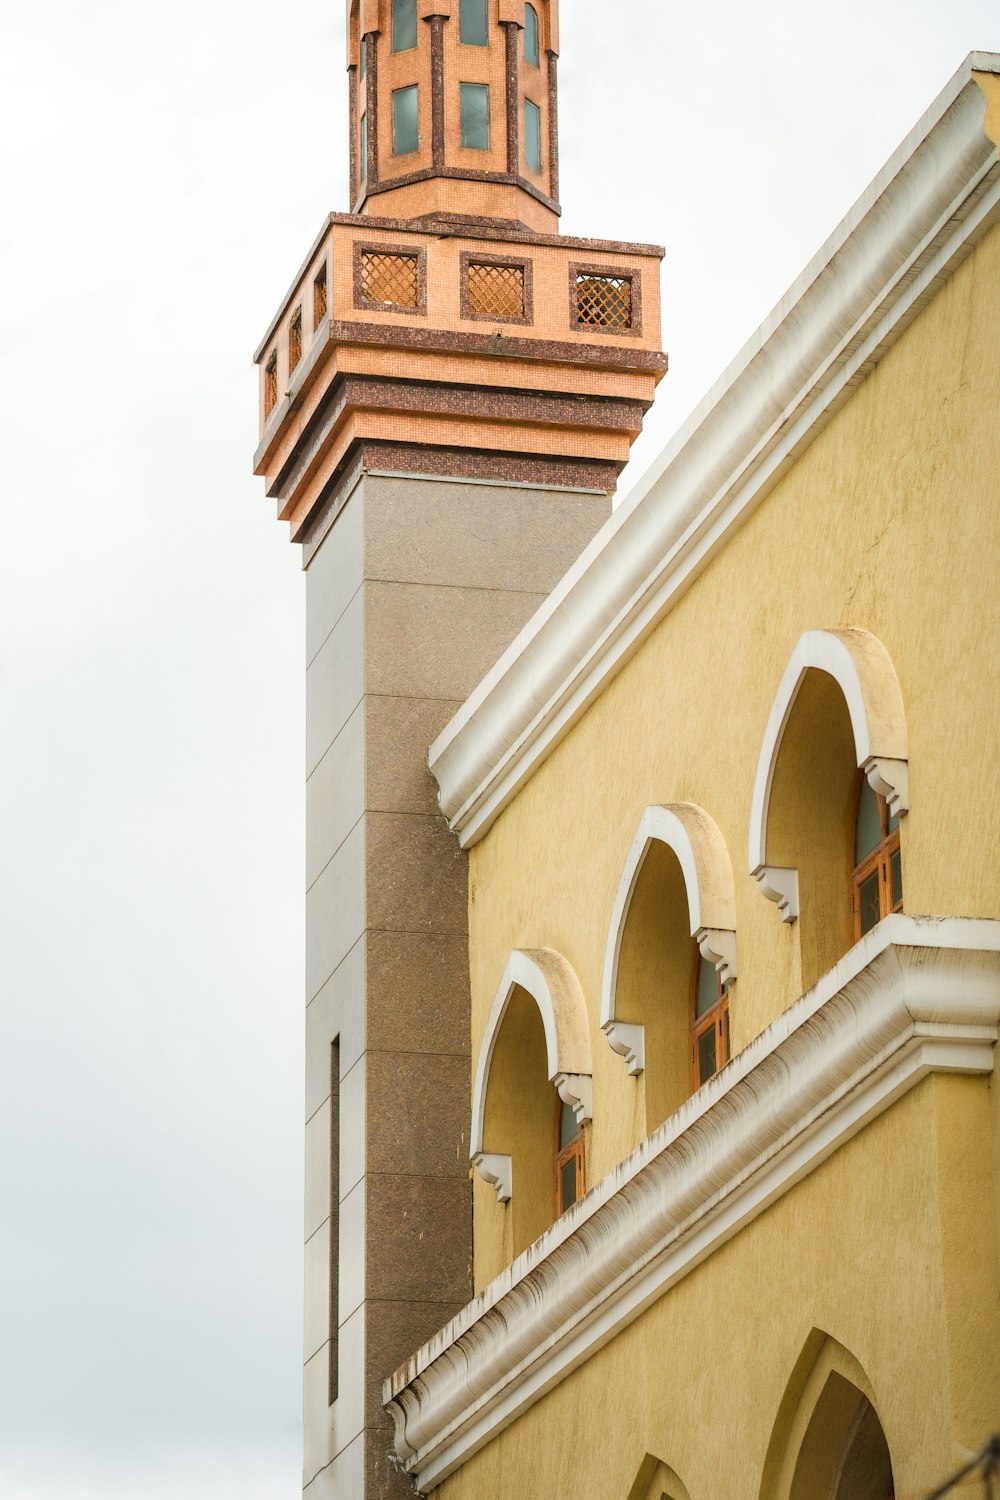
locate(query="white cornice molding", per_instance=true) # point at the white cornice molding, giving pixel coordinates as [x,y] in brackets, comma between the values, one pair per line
[904,238]
[916,996]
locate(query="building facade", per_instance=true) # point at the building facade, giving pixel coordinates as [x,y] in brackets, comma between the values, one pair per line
[703,975]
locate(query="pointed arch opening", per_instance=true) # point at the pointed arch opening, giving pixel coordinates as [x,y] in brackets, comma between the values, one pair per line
[533,1082]
[670,957]
[657,1481]
[837,720]
[828,1441]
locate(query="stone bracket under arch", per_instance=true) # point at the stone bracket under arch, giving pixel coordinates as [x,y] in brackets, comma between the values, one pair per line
[552,983]
[863,669]
[708,881]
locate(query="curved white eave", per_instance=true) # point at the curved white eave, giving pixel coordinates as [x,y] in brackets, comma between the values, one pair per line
[904,237]
[917,995]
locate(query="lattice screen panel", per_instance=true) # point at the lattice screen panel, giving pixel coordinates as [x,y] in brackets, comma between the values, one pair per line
[604,301]
[295,340]
[271,384]
[389,280]
[319,298]
[496,291]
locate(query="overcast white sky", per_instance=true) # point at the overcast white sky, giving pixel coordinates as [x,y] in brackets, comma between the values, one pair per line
[164,169]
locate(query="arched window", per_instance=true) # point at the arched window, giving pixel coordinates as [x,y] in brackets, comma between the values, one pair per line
[569,1158]
[709,1020]
[473,24]
[877,878]
[404,25]
[531,35]
[670,958]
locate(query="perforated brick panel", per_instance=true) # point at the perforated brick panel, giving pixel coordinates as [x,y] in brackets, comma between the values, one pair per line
[295,340]
[389,280]
[271,384]
[604,301]
[319,298]
[496,291]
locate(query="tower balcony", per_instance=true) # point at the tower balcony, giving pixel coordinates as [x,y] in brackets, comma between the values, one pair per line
[462,349]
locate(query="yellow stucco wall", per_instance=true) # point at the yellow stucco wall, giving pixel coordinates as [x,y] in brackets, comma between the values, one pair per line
[886,523]
[890,522]
[698,1380]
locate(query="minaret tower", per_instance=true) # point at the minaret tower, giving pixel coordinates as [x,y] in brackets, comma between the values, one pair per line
[447,395]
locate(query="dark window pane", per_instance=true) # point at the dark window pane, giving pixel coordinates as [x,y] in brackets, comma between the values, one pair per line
[706,1055]
[475,109]
[568,1129]
[567,1184]
[404,25]
[869,903]
[472,29]
[531,35]
[869,824]
[707,992]
[405,127]
[363,69]
[896,879]
[533,135]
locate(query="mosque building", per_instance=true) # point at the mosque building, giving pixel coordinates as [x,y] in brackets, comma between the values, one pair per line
[653,928]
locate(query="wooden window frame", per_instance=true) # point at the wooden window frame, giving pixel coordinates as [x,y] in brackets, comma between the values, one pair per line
[880,860]
[716,1016]
[564,1155]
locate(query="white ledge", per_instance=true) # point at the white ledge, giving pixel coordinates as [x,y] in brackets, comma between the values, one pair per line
[917,995]
[904,238]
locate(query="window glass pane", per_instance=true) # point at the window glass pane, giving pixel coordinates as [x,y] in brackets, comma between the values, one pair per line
[896,879]
[567,1184]
[568,1130]
[868,901]
[405,131]
[533,135]
[706,1055]
[404,25]
[475,109]
[707,992]
[531,35]
[472,23]
[364,147]
[869,825]
[363,49]
[893,823]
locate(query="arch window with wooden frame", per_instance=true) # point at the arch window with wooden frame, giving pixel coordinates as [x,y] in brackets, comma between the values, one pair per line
[877,877]
[709,1020]
[570,1186]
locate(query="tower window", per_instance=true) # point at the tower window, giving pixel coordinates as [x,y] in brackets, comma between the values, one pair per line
[319,297]
[404,25]
[533,136]
[604,301]
[363,65]
[877,878]
[295,339]
[569,1158]
[271,384]
[709,1021]
[364,147]
[531,35]
[405,120]
[389,281]
[473,25]
[475,113]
